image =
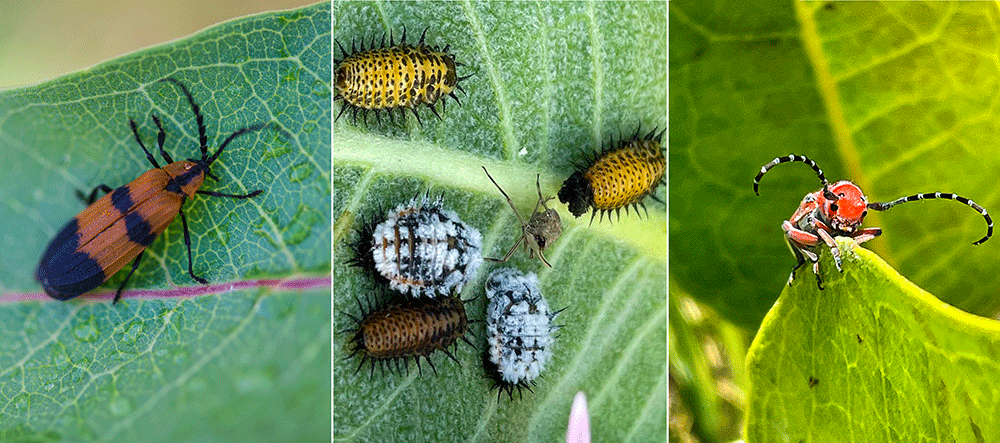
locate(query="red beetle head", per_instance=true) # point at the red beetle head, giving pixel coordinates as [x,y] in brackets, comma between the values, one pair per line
[844,206]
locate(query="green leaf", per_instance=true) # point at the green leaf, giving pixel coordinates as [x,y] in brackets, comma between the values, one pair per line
[871,358]
[252,364]
[550,81]
[896,97]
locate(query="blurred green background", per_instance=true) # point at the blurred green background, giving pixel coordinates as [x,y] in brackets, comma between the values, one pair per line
[90,32]
[899,98]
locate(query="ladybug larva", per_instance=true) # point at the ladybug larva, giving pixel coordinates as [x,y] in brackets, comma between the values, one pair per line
[398,76]
[411,328]
[519,330]
[422,249]
[618,177]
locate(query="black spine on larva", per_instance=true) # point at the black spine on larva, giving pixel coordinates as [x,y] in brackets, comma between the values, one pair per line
[787,159]
[493,373]
[361,249]
[411,328]
[882,206]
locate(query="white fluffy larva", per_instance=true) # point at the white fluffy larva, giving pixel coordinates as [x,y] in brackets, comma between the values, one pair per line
[518,329]
[426,250]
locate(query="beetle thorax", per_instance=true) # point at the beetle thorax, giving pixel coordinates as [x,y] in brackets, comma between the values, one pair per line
[185,177]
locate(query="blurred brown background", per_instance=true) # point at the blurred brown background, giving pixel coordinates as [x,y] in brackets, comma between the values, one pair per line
[41,40]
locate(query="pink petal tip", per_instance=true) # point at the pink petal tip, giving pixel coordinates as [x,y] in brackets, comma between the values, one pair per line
[578,430]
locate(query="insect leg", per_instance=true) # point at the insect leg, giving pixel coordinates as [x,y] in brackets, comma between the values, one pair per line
[509,252]
[866,234]
[799,236]
[797,241]
[542,257]
[541,200]
[121,287]
[512,208]
[93,193]
[833,246]
[187,242]
[819,280]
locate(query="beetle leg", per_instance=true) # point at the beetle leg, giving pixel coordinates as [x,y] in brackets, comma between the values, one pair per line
[799,259]
[833,247]
[801,254]
[187,242]
[93,193]
[799,236]
[121,287]
[798,240]
[819,280]
[866,234]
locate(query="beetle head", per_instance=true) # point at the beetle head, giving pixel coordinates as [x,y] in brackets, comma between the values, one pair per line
[844,206]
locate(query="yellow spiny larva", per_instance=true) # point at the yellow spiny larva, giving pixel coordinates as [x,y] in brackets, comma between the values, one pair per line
[620,176]
[398,76]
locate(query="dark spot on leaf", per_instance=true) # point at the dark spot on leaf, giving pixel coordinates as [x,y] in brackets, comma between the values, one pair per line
[976,431]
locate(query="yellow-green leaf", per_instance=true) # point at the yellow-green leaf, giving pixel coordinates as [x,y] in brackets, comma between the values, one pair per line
[871,358]
[898,97]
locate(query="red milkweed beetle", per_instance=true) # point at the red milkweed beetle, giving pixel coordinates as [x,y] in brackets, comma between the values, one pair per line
[838,210]
[119,226]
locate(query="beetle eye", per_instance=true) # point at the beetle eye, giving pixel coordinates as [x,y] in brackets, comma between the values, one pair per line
[864,213]
[833,207]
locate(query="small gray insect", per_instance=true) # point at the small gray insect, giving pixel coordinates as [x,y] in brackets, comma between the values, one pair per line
[543,229]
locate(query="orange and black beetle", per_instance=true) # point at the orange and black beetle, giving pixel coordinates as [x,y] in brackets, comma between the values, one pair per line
[119,226]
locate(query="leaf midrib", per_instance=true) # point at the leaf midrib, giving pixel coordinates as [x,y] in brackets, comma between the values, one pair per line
[646,235]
